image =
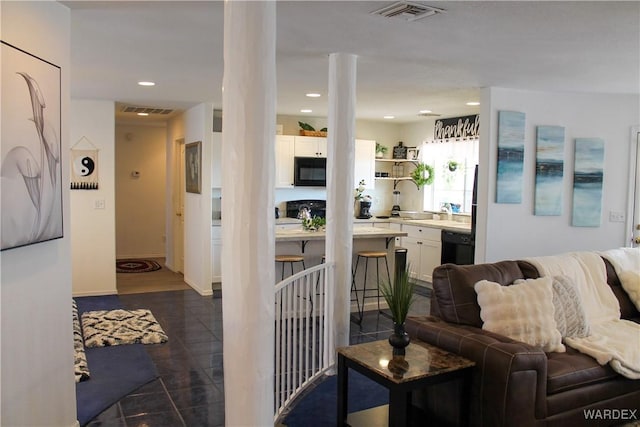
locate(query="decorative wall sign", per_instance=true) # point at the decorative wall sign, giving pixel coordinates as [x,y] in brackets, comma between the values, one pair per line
[84,166]
[193,166]
[467,127]
[413,153]
[510,156]
[587,182]
[31,188]
[399,151]
[549,170]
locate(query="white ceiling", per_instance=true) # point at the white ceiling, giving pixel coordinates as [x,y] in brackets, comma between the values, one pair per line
[438,63]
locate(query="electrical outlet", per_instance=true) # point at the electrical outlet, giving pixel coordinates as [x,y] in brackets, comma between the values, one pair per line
[616,216]
[98,204]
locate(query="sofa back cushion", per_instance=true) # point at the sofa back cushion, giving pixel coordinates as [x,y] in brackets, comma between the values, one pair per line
[453,291]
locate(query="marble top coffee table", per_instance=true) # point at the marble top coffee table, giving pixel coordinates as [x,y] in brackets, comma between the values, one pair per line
[422,365]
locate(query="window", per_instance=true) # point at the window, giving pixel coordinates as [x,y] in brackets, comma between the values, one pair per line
[453,163]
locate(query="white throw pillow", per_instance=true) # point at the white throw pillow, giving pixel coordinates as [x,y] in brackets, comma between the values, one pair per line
[630,281]
[523,312]
[571,319]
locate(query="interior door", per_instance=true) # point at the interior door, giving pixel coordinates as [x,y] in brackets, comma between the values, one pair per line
[179,191]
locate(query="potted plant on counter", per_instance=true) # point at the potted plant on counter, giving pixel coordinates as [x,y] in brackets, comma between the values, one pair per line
[399,297]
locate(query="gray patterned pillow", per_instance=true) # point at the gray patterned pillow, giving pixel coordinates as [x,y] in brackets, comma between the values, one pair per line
[569,313]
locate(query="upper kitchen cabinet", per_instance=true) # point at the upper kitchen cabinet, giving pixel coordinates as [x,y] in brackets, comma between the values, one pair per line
[216,160]
[310,146]
[365,167]
[284,161]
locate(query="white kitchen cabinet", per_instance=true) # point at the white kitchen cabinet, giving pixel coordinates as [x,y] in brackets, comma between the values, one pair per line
[216,160]
[284,161]
[365,164]
[311,146]
[216,253]
[423,250]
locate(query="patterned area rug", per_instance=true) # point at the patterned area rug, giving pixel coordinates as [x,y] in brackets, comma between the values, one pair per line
[136,266]
[80,360]
[115,327]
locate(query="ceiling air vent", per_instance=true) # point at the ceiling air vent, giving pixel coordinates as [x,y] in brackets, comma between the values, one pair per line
[429,115]
[410,11]
[148,110]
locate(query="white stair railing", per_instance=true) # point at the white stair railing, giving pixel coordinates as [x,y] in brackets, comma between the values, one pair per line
[304,345]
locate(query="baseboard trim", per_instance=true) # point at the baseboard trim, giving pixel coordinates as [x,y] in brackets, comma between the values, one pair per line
[202,292]
[143,256]
[95,293]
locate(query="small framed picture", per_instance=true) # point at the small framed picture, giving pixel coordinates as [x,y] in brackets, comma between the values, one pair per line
[413,153]
[193,165]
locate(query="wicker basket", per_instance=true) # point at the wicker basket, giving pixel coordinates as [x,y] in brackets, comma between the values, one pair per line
[312,133]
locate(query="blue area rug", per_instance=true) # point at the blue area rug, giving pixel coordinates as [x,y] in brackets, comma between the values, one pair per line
[319,407]
[115,371]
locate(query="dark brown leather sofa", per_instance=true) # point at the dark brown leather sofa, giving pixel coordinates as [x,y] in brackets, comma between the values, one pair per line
[516,384]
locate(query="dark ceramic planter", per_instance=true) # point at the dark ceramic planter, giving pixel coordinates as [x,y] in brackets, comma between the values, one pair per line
[399,339]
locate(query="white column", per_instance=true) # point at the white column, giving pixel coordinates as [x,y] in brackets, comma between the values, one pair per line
[248,240]
[340,185]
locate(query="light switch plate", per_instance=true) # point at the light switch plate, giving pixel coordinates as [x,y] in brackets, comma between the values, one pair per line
[98,204]
[616,216]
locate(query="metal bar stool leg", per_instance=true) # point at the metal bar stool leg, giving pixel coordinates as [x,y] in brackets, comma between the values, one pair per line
[355,289]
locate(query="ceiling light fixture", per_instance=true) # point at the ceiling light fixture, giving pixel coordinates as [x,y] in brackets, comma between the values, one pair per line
[473,103]
[313,95]
[146,83]
[425,111]
[306,111]
[389,117]
[143,114]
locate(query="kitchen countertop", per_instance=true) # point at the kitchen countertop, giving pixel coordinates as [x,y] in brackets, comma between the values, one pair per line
[358,233]
[443,224]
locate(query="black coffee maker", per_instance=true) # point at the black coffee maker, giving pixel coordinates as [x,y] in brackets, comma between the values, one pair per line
[365,208]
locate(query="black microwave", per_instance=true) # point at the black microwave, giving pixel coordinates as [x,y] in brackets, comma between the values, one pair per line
[310,172]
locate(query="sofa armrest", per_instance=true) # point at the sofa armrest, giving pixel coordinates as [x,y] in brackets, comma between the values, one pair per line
[510,377]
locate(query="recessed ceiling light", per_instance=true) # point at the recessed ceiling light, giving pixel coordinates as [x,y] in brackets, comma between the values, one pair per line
[143,114]
[425,111]
[473,103]
[306,111]
[146,83]
[313,95]
[389,117]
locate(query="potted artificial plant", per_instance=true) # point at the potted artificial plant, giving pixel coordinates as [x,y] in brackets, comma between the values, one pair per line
[381,150]
[399,297]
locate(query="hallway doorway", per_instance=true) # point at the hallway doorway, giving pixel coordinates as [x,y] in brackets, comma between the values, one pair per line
[153,281]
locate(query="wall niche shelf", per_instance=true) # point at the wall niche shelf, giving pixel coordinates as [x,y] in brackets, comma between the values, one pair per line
[396,162]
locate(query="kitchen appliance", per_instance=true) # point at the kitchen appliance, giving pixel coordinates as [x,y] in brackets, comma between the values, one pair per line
[395,210]
[458,247]
[310,172]
[314,207]
[365,208]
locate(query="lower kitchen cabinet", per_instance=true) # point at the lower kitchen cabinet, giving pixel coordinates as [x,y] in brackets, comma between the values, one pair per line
[216,253]
[423,251]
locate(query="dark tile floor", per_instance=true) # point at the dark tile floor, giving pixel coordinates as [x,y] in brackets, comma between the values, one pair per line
[190,389]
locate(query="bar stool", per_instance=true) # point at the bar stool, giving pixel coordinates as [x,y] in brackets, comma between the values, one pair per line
[284,259]
[367,255]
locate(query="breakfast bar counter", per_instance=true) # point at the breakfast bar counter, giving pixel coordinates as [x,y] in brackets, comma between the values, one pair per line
[297,235]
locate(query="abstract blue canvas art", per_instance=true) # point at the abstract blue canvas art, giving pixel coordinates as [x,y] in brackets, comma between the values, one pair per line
[510,157]
[587,182]
[549,170]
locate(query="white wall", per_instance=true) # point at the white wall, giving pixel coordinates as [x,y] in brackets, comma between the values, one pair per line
[93,244]
[197,207]
[507,231]
[140,201]
[37,383]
